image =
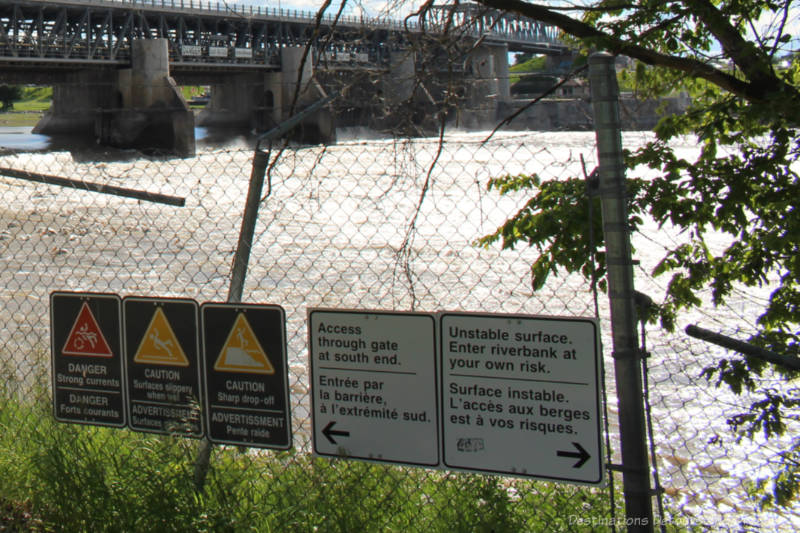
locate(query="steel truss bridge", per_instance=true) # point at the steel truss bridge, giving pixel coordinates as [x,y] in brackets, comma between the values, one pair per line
[207,34]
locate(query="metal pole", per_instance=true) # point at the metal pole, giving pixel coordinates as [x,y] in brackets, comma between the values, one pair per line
[238,273]
[627,356]
[742,347]
[242,257]
[93,187]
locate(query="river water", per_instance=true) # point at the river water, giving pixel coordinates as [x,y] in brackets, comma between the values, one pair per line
[334,232]
[20,138]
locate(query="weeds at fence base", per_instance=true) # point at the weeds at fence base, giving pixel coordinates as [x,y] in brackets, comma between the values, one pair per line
[69,477]
[16,516]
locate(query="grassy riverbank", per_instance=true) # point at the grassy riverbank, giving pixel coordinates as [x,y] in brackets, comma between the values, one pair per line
[69,477]
[19,118]
[29,109]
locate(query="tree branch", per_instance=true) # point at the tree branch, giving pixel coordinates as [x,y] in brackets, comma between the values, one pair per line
[758,86]
[754,64]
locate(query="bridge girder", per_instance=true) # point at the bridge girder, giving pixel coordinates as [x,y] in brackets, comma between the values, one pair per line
[102,31]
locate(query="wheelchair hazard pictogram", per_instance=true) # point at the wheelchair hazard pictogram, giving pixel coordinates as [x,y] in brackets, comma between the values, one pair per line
[85,338]
[242,352]
[160,346]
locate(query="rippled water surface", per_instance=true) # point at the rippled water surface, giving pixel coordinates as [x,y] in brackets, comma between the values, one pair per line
[366,223]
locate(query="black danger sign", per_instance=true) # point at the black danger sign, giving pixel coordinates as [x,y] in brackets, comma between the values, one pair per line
[247,400]
[163,365]
[86,356]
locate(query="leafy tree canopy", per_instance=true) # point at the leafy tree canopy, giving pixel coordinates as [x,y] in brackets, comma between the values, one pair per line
[8,95]
[745,115]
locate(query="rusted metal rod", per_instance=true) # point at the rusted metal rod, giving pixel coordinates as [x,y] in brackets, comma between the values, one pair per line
[743,347]
[242,257]
[93,187]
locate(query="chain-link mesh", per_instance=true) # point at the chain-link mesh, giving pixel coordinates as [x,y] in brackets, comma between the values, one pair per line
[368,224]
[365,224]
[706,472]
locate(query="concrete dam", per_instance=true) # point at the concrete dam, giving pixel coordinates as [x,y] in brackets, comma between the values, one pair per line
[116,66]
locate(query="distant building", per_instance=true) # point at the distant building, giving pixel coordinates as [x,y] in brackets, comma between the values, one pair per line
[573,88]
[624,63]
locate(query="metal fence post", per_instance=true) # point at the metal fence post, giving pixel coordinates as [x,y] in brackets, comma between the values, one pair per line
[245,244]
[238,273]
[627,356]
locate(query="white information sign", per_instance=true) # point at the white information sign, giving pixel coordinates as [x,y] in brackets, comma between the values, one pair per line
[217,51]
[191,50]
[520,396]
[373,378]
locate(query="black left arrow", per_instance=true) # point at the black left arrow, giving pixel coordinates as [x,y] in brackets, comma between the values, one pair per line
[581,455]
[329,432]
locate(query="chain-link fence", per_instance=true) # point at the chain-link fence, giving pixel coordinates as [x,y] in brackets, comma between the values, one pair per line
[706,469]
[380,224]
[365,224]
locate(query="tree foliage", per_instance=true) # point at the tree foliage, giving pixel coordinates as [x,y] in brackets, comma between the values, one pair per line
[745,115]
[8,95]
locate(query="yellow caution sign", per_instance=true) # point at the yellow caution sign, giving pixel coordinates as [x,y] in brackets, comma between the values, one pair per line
[159,345]
[242,352]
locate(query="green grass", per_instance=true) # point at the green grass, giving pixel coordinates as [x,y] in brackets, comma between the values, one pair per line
[28,110]
[534,64]
[15,119]
[531,65]
[36,100]
[70,477]
[193,91]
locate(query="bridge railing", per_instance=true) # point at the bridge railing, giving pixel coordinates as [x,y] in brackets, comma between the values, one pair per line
[227,8]
[512,30]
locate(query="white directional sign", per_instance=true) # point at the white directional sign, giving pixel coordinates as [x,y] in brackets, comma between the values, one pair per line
[373,377]
[520,396]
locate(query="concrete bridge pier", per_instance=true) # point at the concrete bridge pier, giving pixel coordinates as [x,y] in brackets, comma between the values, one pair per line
[299,90]
[500,54]
[409,108]
[259,102]
[483,74]
[153,113]
[140,107]
[398,85]
[490,87]
[75,102]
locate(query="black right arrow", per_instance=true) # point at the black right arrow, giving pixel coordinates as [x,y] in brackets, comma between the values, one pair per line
[581,455]
[329,431]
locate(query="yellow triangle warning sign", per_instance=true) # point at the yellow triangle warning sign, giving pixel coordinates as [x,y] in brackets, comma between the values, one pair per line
[159,345]
[242,352]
